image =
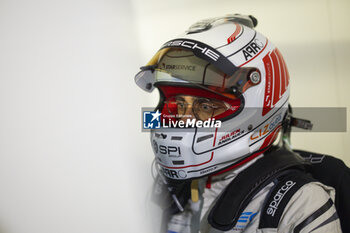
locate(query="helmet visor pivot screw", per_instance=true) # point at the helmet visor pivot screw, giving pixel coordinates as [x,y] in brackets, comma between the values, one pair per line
[254,77]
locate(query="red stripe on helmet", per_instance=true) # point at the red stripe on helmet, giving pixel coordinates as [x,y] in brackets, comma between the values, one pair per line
[268,84]
[277,78]
[194,165]
[283,71]
[286,70]
[234,34]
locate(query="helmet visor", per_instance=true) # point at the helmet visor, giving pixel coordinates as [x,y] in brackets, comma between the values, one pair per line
[178,66]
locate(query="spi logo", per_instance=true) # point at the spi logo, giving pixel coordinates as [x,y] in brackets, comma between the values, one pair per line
[151,120]
[172,151]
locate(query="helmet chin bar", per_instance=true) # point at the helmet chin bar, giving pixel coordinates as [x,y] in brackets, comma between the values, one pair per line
[188,153]
[168,175]
[182,161]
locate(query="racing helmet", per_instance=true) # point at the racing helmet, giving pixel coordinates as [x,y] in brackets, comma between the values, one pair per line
[223,71]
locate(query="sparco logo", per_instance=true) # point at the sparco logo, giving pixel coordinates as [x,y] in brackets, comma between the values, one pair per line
[194,46]
[278,197]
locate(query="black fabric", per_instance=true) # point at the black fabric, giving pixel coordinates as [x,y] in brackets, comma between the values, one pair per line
[332,172]
[328,220]
[280,195]
[247,184]
[313,216]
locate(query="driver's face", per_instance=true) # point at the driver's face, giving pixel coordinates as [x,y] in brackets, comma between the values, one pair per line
[199,108]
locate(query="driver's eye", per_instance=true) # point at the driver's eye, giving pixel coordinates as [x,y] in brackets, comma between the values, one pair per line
[181,105]
[206,107]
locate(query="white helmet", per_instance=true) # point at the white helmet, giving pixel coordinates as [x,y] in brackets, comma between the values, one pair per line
[222,59]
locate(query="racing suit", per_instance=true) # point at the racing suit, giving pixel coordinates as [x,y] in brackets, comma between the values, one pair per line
[310,209]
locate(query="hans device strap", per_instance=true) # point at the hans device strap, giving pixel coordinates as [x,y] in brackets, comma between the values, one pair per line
[278,199]
[275,164]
